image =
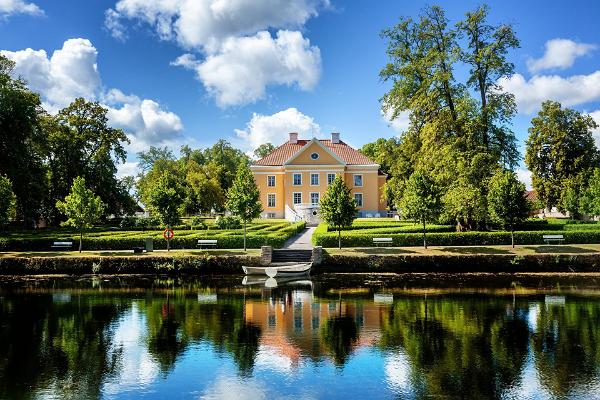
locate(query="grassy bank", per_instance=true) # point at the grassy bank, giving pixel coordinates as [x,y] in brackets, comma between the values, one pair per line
[406,233]
[260,232]
[581,258]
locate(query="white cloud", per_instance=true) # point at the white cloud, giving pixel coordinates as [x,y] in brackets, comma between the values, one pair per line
[204,24]
[240,57]
[12,7]
[524,175]
[243,67]
[129,168]
[72,72]
[275,128]
[596,132]
[559,54]
[570,91]
[143,117]
[400,123]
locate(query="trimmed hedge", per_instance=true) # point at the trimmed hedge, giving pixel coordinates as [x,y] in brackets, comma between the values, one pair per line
[201,264]
[364,238]
[115,240]
[459,263]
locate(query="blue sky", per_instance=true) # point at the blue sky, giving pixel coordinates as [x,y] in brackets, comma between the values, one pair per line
[175,72]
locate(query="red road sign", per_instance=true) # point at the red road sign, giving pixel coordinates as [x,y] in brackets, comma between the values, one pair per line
[168,234]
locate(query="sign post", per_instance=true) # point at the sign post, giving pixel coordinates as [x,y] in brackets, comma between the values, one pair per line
[168,235]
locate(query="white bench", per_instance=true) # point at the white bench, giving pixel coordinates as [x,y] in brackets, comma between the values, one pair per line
[62,245]
[383,241]
[555,238]
[207,242]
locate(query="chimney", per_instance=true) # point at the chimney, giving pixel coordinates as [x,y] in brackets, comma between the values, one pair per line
[335,137]
[293,137]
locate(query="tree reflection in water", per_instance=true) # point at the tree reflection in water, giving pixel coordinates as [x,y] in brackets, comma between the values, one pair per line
[453,344]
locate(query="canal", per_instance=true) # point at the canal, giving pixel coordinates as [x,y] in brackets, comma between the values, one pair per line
[329,337]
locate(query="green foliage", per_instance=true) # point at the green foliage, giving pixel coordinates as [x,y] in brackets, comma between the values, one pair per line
[590,202]
[263,150]
[22,143]
[198,223]
[165,199]
[506,199]
[459,131]
[421,200]
[337,207]
[8,202]
[81,143]
[560,153]
[128,222]
[228,222]
[243,197]
[259,234]
[82,207]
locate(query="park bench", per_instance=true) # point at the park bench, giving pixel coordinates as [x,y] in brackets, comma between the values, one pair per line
[62,245]
[382,241]
[553,238]
[207,242]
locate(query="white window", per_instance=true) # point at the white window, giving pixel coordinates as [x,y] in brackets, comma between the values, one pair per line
[271,200]
[271,215]
[314,198]
[271,180]
[297,198]
[358,181]
[314,179]
[358,197]
[314,156]
[297,179]
[330,178]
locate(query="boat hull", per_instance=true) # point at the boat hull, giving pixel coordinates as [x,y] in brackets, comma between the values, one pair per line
[279,271]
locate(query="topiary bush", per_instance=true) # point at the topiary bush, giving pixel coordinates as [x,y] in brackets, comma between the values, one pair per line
[228,222]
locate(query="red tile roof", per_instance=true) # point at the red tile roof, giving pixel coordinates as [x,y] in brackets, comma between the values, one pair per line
[284,152]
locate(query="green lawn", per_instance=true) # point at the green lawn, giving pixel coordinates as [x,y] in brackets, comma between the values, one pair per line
[469,250]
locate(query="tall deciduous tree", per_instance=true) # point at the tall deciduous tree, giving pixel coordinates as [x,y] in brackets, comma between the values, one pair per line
[264,150]
[421,200]
[560,151]
[451,120]
[82,207]
[22,143]
[243,197]
[337,207]
[507,202]
[82,143]
[8,202]
[165,199]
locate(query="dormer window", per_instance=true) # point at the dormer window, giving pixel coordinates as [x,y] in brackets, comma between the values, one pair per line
[314,156]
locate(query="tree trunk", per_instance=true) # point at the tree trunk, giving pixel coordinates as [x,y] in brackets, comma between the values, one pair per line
[80,239]
[512,236]
[339,238]
[244,235]
[424,237]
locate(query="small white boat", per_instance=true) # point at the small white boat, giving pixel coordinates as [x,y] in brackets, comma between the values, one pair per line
[280,270]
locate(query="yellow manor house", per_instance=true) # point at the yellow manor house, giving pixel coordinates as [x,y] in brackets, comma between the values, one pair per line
[293,178]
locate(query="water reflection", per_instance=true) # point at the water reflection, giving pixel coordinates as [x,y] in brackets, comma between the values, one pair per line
[334,337]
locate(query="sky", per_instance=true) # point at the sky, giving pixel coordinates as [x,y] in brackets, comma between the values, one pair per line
[174,72]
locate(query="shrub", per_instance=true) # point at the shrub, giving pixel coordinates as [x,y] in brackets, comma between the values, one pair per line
[228,222]
[128,222]
[147,223]
[197,223]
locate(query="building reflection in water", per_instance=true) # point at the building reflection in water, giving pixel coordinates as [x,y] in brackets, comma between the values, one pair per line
[295,324]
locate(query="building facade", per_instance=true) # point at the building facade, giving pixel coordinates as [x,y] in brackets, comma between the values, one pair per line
[294,177]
